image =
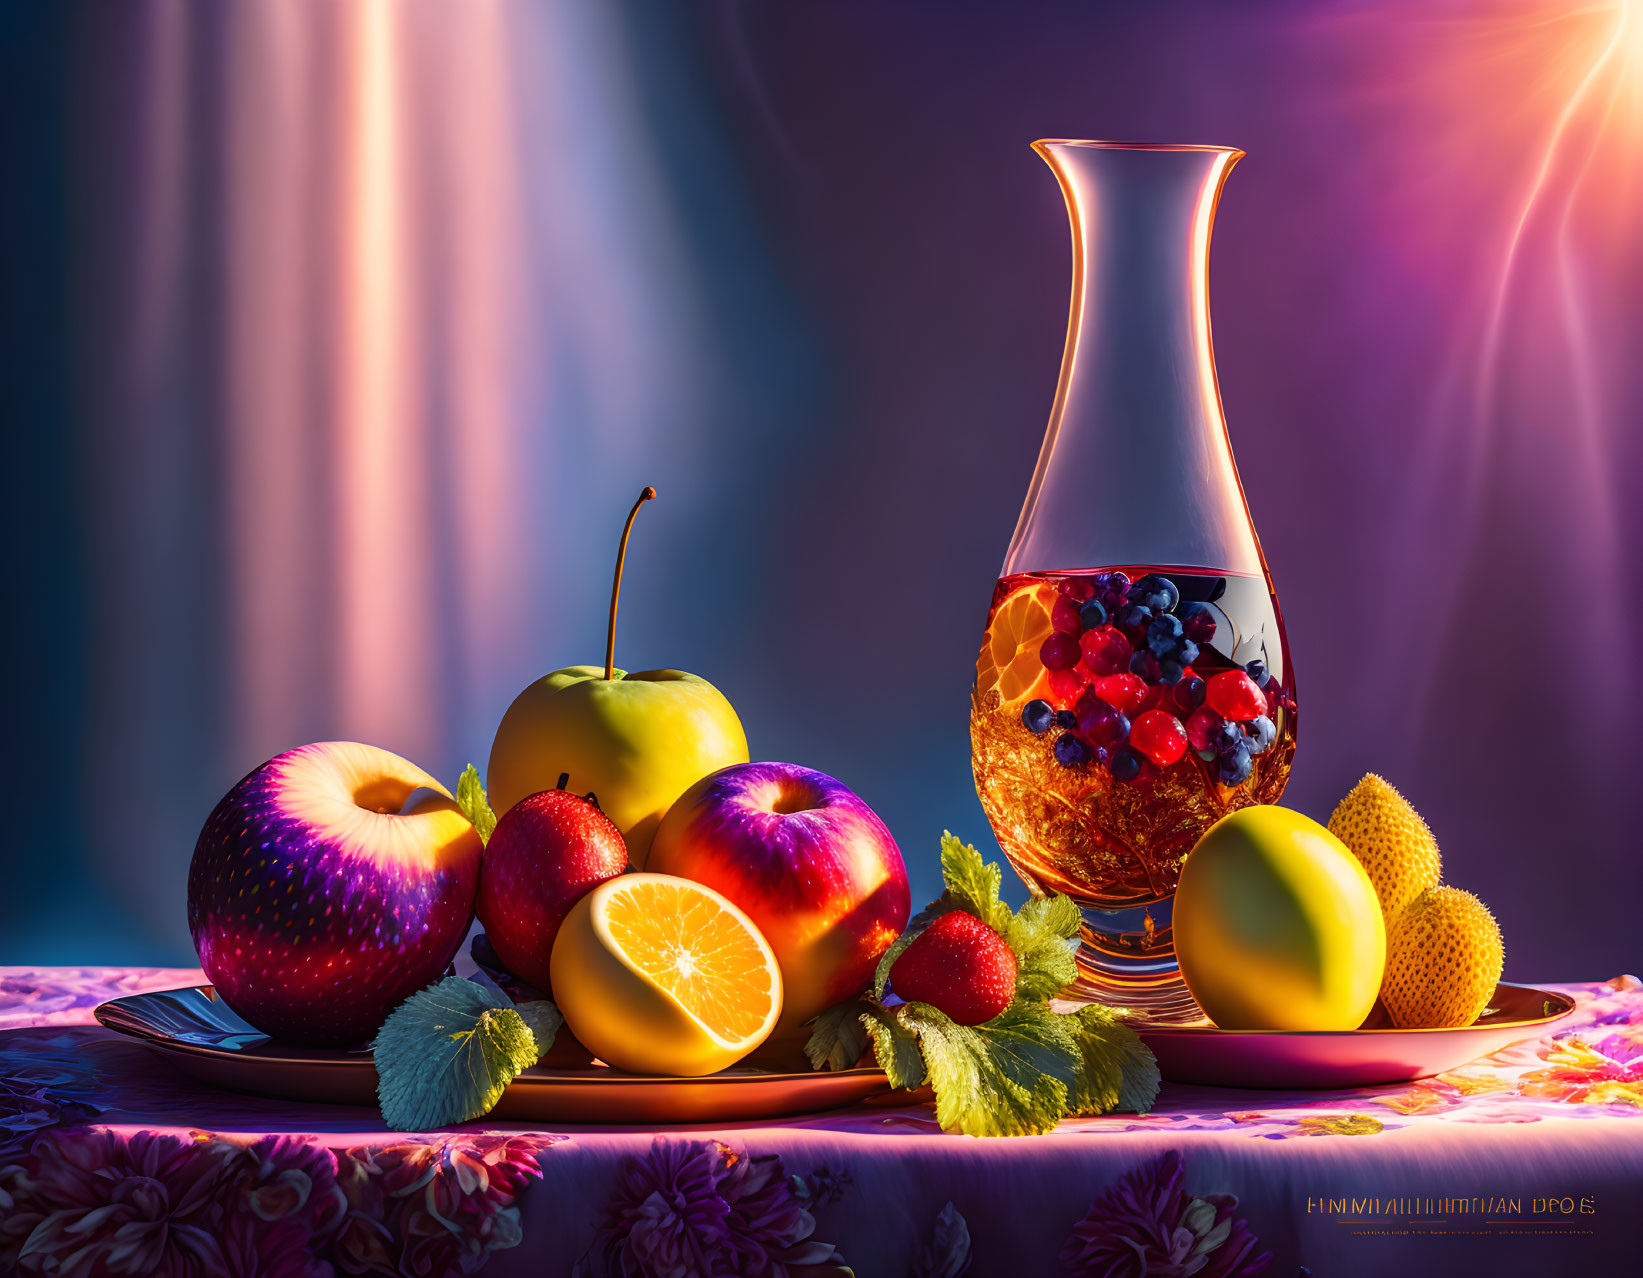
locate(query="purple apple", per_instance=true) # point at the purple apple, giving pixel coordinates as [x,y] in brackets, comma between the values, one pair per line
[807,860]
[328,886]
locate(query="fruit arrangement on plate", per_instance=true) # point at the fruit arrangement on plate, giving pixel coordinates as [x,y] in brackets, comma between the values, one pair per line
[1335,956]
[1284,924]
[656,904]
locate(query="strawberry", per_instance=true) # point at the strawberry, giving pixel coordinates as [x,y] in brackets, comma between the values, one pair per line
[959,966]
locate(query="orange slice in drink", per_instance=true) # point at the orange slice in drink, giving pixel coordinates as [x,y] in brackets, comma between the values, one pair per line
[1009,651]
[659,975]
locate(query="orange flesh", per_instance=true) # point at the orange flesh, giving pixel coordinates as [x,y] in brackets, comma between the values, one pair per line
[699,953]
[1009,655]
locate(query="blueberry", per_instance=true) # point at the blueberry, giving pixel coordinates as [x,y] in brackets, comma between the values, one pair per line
[1155,592]
[1066,719]
[1163,635]
[1147,598]
[1092,614]
[1170,671]
[1187,653]
[1144,665]
[1037,716]
[1226,738]
[1071,751]
[1262,732]
[1134,617]
[1118,581]
[1256,670]
[1126,765]
[1235,767]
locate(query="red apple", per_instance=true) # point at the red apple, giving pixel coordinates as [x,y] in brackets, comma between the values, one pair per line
[547,852]
[329,885]
[807,860]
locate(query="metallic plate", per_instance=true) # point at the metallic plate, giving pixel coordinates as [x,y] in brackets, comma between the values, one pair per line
[207,1041]
[1326,1059]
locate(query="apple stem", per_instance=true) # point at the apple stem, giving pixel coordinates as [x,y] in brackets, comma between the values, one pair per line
[616,583]
[590,796]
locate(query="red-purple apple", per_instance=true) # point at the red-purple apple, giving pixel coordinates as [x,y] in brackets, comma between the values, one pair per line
[328,886]
[547,852]
[807,860]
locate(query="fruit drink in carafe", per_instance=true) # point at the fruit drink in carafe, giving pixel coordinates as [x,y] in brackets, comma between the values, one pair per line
[1121,708]
[1117,714]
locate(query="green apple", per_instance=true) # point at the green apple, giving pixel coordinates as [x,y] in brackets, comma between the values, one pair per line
[635,741]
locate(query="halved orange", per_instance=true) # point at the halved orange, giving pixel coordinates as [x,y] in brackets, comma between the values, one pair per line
[1009,651]
[659,975]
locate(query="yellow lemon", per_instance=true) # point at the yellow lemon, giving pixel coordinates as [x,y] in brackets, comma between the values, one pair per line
[1389,837]
[1443,960]
[659,975]
[1277,925]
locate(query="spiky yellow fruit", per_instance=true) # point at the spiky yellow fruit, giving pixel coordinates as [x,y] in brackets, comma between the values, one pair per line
[1443,961]
[1389,837]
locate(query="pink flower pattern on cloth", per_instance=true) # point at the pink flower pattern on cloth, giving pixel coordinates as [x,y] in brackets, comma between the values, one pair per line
[95,1200]
[111,1163]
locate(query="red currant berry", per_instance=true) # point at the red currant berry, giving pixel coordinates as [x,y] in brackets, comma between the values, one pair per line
[1123,692]
[1064,616]
[1066,685]
[1197,622]
[1202,725]
[1159,736]
[1098,721]
[1188,694]
[1078,589]
[1060,652]
[1234,695]
[1106,651]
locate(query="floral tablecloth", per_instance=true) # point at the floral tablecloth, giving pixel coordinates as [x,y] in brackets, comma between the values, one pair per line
[1527,1162]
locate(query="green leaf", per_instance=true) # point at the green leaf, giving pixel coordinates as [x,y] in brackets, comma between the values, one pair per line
[895,1047]
[1118,1070]
[1100,1076]
[839,1036]
[543,1020]
[1042,936]
[972,884]
[470,797]
[1007,1077]
[445,1054]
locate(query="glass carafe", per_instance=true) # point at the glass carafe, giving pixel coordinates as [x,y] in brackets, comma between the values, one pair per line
[1134,684]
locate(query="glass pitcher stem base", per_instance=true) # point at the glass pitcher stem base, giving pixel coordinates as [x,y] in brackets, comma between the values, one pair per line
[1157,1000]
[1126,960]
